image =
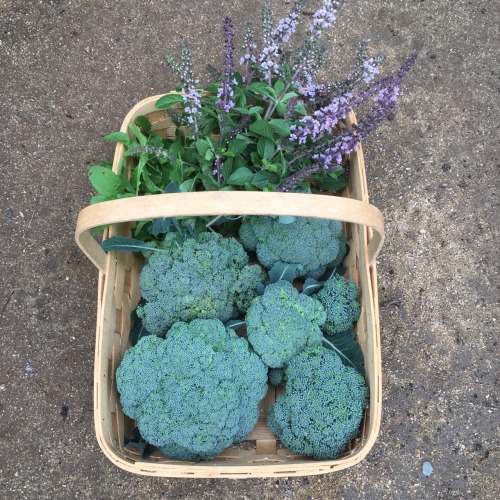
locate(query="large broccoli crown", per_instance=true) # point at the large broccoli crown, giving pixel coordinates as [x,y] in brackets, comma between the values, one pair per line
[339,298]
[282,322]
[206,278]
[194,393]
[323,405]
[315,244]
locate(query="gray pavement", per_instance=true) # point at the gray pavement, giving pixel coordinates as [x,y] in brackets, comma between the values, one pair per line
[69,72]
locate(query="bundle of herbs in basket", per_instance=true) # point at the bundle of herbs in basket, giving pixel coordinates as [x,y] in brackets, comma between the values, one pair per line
[189,381]
[264,124]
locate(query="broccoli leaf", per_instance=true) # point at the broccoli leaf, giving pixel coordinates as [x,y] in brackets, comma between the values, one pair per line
[161,226]
[340,270]
[347,347]
[311,286]
[124,244]
[282,271]
[138,331]
[173,187]
[222,219]
[136,441]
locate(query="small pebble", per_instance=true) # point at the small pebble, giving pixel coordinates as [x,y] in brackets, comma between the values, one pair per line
[29,368]
[427,469]
[9,214]
[64,411]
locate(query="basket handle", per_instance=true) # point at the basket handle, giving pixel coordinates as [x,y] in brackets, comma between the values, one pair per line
[224,203]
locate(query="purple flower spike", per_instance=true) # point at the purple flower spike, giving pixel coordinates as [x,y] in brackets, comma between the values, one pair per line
[323,18]
[384,93]
[249,46]
[225,92]
[370,69]
[192,96]
[274,38]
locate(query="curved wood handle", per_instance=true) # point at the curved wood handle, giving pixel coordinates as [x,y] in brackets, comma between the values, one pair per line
[224,203]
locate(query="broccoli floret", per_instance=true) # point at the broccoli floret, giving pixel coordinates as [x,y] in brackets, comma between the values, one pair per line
[277,377]
[323,405]
[315,244]
[282,322]
[338,297]
[195,392]
[206,278]
[341,253]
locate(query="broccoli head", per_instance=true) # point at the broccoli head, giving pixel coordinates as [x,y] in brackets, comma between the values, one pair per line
[282,322]
[323,406]
[314,244]
[195,392]
[277,377]
[207,278]
[339,298]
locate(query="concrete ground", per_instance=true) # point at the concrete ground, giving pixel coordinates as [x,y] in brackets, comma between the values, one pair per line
[71,69]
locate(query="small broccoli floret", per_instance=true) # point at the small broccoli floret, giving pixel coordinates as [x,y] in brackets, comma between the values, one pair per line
[339,298]
[342,251]
[312,243]
[194,393]
[323,405]
[206,278]
[277,376]
[282,322]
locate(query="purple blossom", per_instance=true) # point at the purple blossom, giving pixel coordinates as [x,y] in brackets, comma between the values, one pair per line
[245,120]
[192,96]
[384,93]
[311,57]
[290,107]
[322,121]
[285,29]
[249,46]
[226,92]
[274,38]
[308,62]
[323,18]
[311,91]
[370,69]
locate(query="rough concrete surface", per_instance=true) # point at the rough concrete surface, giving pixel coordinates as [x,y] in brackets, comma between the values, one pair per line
[71,69]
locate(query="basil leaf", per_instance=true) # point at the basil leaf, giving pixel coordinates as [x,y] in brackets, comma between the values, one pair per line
[265,147]
[168,100]
[261,127]
[281,127]
[118,137]
[237,146]
[105,181]
[240,177]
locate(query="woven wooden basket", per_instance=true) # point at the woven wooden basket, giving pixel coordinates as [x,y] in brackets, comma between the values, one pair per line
[119,293]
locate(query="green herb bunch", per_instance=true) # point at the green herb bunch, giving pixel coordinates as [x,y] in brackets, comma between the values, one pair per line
[264,124]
